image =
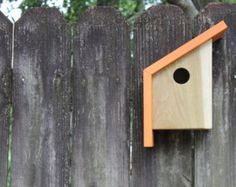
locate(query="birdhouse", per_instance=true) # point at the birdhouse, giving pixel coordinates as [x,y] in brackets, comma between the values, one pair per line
[177,89]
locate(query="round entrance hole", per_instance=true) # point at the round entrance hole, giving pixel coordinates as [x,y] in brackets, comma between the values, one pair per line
[181,75]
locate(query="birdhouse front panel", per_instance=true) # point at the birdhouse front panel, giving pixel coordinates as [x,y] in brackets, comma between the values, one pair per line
[182,92]
[177,89]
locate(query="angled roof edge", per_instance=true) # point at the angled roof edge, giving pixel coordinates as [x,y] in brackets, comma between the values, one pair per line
[213,33]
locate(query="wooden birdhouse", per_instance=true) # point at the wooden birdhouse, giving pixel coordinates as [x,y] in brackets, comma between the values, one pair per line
[178,87]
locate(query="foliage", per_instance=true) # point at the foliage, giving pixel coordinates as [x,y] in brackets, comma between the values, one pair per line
[129,8]
[31,3]
[229,1]
[75,8]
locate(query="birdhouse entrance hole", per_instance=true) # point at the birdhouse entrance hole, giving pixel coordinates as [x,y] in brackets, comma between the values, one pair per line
[181,75]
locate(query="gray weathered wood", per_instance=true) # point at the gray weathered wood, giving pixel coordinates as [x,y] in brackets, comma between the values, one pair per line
[158,31]
[101,116]
[41,95]
[215,151]
[5,92]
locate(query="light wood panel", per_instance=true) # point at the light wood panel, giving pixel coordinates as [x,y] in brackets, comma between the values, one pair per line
[189,105]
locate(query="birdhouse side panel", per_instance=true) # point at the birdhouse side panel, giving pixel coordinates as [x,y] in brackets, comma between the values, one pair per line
[182,92]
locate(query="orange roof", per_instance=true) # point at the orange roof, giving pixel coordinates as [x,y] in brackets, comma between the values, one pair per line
[213,33]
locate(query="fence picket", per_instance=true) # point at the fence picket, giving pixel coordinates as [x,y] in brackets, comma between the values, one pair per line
[158,31]
[41,92]
[101,116]
[215,156]
[5,92]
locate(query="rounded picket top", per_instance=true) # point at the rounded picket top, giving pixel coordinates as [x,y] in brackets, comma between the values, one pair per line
[161,19]
[41,24]
[39,15]
[212,10]
[211,15]
[159,11]
[5,50]
[6,24]
[101,15]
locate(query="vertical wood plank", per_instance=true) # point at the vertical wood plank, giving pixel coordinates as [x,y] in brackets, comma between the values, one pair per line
[5,92]
[215,150]
[158,31]
[101,116]
[41,100]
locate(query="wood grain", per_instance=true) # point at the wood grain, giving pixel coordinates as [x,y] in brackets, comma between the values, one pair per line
[158,31]
[41,100]
[215,155]
[188,105]
[101,114]
[5,92]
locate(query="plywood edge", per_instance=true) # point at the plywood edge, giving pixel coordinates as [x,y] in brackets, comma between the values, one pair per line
[207,85]
[147,107]
[213,33]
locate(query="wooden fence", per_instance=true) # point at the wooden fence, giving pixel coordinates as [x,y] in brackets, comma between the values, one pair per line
[73,97]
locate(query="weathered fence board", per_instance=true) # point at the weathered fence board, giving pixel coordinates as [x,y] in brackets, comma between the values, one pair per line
[101,116]
[158,31]
[215,151]
[5,92]
[100,101]
[41,95]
